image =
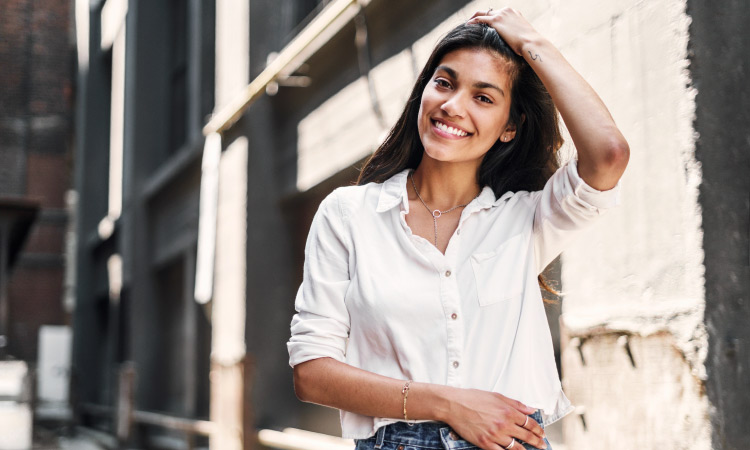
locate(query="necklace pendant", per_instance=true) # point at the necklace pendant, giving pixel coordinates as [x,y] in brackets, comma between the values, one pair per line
[437,213]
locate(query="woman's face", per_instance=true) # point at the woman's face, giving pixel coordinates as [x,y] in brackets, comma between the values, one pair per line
[465,106]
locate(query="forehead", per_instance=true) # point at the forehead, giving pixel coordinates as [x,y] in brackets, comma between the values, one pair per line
[479,65]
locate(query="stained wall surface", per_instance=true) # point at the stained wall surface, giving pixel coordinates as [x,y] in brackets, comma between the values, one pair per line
[638,278]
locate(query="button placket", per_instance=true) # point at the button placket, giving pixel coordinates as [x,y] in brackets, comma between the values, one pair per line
[450,299]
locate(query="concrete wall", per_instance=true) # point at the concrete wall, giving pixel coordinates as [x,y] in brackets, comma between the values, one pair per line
[638,278]
[720,70]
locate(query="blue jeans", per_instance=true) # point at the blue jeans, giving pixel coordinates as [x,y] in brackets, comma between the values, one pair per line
[426,435]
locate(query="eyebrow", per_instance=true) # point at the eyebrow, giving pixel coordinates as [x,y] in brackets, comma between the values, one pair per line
[479,84]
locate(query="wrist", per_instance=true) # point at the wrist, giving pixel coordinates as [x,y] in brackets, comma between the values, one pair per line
[533,45]
[430,401]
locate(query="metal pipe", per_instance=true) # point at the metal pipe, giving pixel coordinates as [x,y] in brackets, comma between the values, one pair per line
[333,17]
[202,427]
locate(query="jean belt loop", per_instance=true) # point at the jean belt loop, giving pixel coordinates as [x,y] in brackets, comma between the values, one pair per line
[380,437]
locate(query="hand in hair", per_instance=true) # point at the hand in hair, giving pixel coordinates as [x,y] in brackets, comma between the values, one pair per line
[603,152]
[510,25]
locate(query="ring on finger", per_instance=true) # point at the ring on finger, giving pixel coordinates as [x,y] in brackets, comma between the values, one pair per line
[512,443]
[525,422]
[488,12]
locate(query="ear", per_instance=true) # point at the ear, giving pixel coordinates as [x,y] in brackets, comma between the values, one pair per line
[510,130]
[509,133]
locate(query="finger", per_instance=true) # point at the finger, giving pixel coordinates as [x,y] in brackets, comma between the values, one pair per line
[493,446]
[528,437]
[518,405]
[534,427]
[513,444]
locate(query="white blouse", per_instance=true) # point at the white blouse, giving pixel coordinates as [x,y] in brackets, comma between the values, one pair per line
[385,300]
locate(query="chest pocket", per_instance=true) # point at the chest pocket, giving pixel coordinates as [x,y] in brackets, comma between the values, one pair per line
[499,274]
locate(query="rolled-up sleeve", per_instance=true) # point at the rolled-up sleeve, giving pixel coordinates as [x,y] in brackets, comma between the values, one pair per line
[565,207]
[321,326]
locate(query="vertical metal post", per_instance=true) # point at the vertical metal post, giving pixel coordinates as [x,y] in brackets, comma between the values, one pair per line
[4,277]
[125,402]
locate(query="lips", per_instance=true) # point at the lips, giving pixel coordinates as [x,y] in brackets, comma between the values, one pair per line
[450,130]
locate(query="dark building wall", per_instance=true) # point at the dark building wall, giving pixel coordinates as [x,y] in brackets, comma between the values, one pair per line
[720,69]
[153,322]
[36,116]
[92,316]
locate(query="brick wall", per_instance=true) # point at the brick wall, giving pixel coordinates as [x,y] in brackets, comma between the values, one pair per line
[36,113]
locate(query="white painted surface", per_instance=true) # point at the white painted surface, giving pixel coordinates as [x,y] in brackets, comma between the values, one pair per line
[206,252]
[228,309]
[12,378]
[53,370]
[232,49]
[15,426]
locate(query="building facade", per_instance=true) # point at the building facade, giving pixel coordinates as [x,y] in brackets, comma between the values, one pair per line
[37,83]
[209,131]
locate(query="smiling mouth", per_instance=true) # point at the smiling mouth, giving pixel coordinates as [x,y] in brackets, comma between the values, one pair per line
[448,129]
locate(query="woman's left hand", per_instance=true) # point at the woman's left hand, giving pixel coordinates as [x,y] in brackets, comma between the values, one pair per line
[509,24]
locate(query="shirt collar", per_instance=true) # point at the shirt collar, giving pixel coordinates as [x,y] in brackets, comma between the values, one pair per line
[393,192]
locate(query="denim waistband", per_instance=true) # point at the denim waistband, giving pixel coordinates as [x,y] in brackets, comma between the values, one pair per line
[425,435]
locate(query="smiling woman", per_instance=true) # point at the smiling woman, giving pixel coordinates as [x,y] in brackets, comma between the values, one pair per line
[464,110]
[420,315]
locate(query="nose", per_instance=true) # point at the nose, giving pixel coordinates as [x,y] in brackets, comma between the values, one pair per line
[454,106]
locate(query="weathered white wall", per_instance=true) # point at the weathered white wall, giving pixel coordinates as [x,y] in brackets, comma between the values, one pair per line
[639,272]
[232,49]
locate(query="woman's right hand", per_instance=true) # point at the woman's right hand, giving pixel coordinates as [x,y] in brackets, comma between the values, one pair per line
[491,421]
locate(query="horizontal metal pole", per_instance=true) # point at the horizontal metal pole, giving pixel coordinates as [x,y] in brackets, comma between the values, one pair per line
[194,426]
[203,427]
[286,62]
[295,439]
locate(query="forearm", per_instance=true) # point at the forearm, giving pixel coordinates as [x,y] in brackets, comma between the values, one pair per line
[328,382]
[602,150]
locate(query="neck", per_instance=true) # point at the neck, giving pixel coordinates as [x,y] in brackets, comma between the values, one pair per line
[445,185]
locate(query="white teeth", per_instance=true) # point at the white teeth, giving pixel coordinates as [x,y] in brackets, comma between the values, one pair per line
[450,130]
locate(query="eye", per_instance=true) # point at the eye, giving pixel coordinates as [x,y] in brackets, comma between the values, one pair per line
[442,82]
[484,99]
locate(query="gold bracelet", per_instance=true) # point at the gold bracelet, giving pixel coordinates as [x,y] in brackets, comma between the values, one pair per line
[405,393]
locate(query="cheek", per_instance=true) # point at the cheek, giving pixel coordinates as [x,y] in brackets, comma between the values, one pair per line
[420,119]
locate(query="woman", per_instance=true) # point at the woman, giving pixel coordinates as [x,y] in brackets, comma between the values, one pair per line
[420,316]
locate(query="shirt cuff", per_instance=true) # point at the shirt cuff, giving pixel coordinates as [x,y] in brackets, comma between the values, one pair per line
[600,200]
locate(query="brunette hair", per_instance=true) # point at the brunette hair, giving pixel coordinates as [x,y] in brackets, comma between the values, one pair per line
[524,163]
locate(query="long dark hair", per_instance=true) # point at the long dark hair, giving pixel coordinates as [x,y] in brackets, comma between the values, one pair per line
[524,163]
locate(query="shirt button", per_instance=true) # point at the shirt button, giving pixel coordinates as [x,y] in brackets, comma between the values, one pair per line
[453,435]
[454,316]
[447,273]
[455,364]
[458,231]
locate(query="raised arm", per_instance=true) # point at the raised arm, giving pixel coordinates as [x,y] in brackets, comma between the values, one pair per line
[603,152]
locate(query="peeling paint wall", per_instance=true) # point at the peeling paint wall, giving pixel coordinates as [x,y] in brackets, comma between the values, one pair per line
[639,276]
[632,392]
